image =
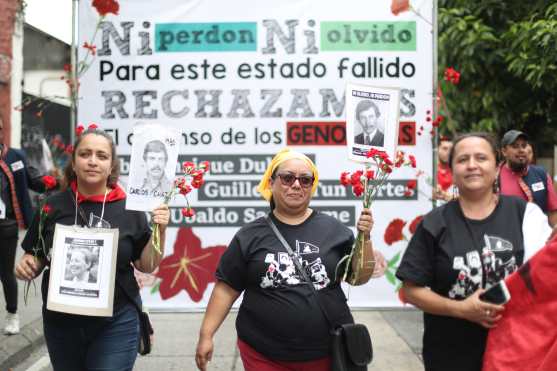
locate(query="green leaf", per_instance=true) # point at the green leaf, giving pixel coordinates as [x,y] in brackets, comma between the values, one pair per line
[394,260]
[390,277]
[155,288]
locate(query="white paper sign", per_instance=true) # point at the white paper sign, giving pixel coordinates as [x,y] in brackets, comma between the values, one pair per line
[83,270]
[371,120]
[152,166]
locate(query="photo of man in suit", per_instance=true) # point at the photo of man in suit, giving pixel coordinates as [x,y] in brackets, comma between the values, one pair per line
[367,115]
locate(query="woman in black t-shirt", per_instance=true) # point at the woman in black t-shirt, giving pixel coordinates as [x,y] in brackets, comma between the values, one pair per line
[77,342]
[463,248]
[279,325]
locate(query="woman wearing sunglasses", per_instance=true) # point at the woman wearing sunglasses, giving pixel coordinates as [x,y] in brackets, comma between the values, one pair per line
[280,327]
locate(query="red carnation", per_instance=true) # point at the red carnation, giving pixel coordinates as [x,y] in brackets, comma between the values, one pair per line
[356,177]
[69,149]
[345,178]
[92,126]
[412,160]
[411,184]
[204,166]
[399,6]
[393,233]
[370,174]
[46,209]
[185,189]
[105,7]
[372,153]
[49,181]
[197,182]
[414,224]
[79,130]
[188,212]
[188,167]
[358,189]
[92,48]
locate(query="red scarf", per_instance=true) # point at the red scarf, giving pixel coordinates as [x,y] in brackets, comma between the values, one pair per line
[114,194]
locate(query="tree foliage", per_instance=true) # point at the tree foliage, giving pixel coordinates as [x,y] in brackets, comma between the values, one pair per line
[506,52]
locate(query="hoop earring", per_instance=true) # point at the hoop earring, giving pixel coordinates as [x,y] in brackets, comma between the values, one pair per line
[496,186]
[454,192]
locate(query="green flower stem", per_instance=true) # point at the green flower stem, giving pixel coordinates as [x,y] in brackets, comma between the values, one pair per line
[155,227]
[357,251]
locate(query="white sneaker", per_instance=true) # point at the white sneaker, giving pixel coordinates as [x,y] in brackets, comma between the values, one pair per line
[12,324]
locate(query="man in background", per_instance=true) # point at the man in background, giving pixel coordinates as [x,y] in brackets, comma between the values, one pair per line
[444,175]
[519,178]
[16,177]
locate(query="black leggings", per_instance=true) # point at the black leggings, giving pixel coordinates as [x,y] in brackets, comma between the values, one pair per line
[8,242]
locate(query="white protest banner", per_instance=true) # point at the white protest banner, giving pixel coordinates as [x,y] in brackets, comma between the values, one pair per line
[241,85]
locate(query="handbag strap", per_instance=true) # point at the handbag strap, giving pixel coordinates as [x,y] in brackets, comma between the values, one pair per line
[299,268]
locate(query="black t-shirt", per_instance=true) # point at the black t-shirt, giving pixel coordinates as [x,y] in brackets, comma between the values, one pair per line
[134,233]
[443,256]
[278,316]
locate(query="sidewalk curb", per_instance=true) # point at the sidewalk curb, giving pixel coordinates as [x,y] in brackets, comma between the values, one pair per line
[14,349]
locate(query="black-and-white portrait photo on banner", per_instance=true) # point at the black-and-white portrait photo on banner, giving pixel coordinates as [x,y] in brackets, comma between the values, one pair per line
[153,162]
[83,270]
[372,115]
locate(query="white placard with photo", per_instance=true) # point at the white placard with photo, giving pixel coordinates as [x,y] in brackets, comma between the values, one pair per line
[372,115]
[154,156]
[83,270]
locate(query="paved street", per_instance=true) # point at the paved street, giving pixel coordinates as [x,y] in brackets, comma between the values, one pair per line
[396,337]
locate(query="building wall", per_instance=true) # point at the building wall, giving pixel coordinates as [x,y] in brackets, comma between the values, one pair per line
[8,10]
[17,81]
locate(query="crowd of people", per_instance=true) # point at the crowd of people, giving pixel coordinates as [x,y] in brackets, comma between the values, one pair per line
[498,209]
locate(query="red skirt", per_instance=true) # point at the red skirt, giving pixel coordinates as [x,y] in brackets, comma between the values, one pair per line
[254,361]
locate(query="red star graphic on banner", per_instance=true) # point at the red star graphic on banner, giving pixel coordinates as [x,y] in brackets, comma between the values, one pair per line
[190,267]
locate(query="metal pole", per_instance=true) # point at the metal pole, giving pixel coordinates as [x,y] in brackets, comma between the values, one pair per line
[73,56]
[435,139]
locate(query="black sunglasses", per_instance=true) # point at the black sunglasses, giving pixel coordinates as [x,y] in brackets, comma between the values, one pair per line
[305,181]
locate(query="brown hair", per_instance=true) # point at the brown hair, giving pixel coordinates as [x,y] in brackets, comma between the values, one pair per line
[482,135]
[69,173]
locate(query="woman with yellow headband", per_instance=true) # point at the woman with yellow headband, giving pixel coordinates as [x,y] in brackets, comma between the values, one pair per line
[280,327]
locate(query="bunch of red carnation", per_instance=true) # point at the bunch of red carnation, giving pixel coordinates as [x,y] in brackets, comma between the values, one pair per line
[367,182]
[193,178]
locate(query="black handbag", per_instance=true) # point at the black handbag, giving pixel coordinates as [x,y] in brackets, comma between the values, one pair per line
[351,348]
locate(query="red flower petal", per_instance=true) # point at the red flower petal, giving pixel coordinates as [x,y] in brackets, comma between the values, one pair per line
[49,181]
[105,7]
[393,233]
[414,224]
[399,6]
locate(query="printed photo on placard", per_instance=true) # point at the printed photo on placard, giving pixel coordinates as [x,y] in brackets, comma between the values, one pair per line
[154,156]
[372,115]
[83,270]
